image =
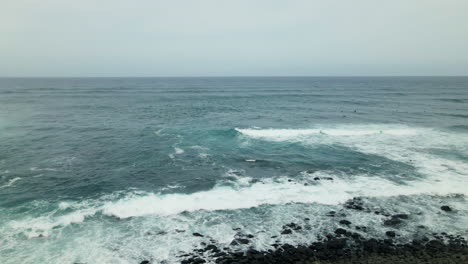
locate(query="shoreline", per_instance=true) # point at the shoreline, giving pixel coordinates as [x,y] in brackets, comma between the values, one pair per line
[343,248]
[345,245]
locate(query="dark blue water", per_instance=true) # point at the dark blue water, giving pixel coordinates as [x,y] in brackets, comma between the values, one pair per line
[92,169]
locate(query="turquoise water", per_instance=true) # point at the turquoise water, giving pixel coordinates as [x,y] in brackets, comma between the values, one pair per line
[111,170]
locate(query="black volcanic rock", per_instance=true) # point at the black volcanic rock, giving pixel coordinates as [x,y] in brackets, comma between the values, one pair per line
[331,213]
[292,226]
[401,216]
[212,248]
[393,221]
[446,208]
[356,203]
[343,250]
[198,235]
[336,243]
[340,231]
[239,241]
[345,222]
[390,233]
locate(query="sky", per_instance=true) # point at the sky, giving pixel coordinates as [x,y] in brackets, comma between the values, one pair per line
[233,38]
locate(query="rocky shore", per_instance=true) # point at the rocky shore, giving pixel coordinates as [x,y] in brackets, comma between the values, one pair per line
[344,245]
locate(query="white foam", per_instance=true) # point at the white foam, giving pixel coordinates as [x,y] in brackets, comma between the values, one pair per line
[43,225]
[158,132]
[11,182]
[42,169]
[400,143]
[169,187]
[220,198]
[178,151]
[344,131]
[274,192]
[149,213]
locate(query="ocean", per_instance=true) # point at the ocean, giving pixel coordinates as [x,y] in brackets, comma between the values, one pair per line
[121,170]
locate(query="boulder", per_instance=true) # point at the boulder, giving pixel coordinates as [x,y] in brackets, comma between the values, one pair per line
[393,221]
[239,241]
[446,208]
[336,243]
[340,231]
[345,222]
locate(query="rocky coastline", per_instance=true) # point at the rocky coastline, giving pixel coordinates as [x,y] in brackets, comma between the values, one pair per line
[344,245]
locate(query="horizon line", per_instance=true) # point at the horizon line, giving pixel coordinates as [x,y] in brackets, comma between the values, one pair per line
[228,76]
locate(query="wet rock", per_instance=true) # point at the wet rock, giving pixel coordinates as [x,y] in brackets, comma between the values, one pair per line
[292,226]
[211,248]
[370,245]
[362,228]
[345,222]
[388,241]
[337,243]
[316,179]
[393,221]
[219,254]
[356,236]
[145,262]
[341,250]
[446,208]
[239,241]
[435,245]
[401,216]
[286,232]
[197,261]
[390,233]
[331,213]
[356,204]
[198,235]
[340,231]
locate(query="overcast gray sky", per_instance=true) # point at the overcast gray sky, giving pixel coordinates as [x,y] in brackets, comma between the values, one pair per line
[236,37]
